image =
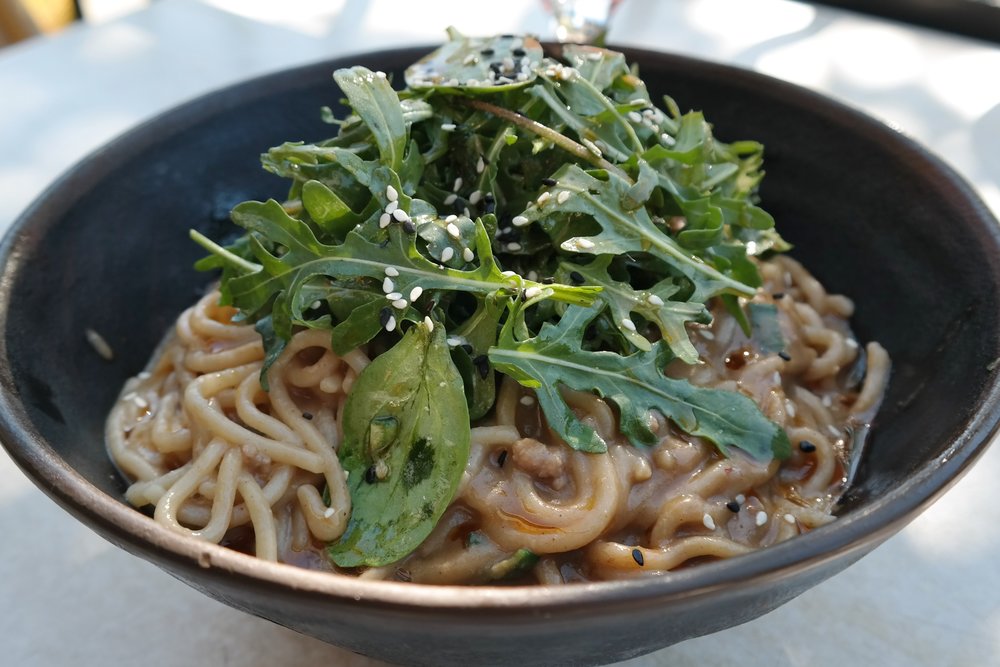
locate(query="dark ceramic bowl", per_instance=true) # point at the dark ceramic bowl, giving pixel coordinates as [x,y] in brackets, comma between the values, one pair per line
[872,214]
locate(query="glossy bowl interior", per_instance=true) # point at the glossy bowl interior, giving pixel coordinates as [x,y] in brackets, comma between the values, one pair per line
[872,214]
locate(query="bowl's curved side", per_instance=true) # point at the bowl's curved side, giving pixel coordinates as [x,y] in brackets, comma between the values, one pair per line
[872,218]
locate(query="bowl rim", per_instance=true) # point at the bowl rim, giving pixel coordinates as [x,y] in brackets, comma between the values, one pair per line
[852,534]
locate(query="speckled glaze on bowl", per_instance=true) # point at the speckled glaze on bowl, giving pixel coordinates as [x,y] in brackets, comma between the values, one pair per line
[872,214]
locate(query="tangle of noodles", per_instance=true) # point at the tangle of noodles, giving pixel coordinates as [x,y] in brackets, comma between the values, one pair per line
[219,458]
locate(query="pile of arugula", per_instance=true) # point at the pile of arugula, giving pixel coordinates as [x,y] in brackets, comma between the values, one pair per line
[505,213]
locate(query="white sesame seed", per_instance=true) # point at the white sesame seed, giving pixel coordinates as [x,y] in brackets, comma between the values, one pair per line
[454,230]
[790,408]
[328,512]
[384,220]
[761,518]
[391,194]
[480,165]
[470,59]
[533,275]
[140,402]
[388,285]
[392,296]
[635,116]
[508,274]
[562,196]
[429,323]
[475,197]
[400,215]
[776,378]
[508,63]
[315,304]
[468,255]
[451,218]
[667,139]
[654,300]
[513,246]
[465,212]
[447,254]
[851,343]
[450,199]
[400,304]
[595,55]
[391,271]
[827,400]
[100,345]
[391,206]
[380,74]
[519,221]
[740,498]
[628,324]
[708,521]
[448,127]
[455,341]
[522,76]
[527,400]
[833,430]
[790,518]
[457,185]
[544,197]
[390,323]
[532,292]
[586,244]
[416,292]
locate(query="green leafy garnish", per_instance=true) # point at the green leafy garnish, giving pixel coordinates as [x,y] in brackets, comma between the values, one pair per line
[405,446]
[635,384]
[507,213]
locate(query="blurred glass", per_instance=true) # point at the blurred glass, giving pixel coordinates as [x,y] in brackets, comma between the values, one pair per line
[581,21]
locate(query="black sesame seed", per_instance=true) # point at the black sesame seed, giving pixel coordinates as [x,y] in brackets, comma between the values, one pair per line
[518,52]
[733,506]
[307,416]
[502,458]
[403,575]
[486,52]
[488,197]
[548,281]
[785,356]
[778,295]
[384,315]
[807,446]
[549,181]
[409,227]
[482,364]
[370,475]
[468,348]
[637,557]
[576,277]
[384,243]
[490,207]
[506,36]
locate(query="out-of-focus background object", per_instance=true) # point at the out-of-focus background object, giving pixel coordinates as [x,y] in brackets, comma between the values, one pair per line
[575,20]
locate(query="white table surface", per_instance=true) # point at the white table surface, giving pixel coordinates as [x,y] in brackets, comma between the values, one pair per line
[930,596]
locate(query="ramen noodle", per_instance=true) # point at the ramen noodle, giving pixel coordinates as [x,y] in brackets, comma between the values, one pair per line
[221,459]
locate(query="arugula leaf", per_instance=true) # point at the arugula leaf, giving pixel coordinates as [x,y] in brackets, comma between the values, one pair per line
[655,304]
[635,384]
[374,100]
[624,231]
[303,259]
[406,443]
